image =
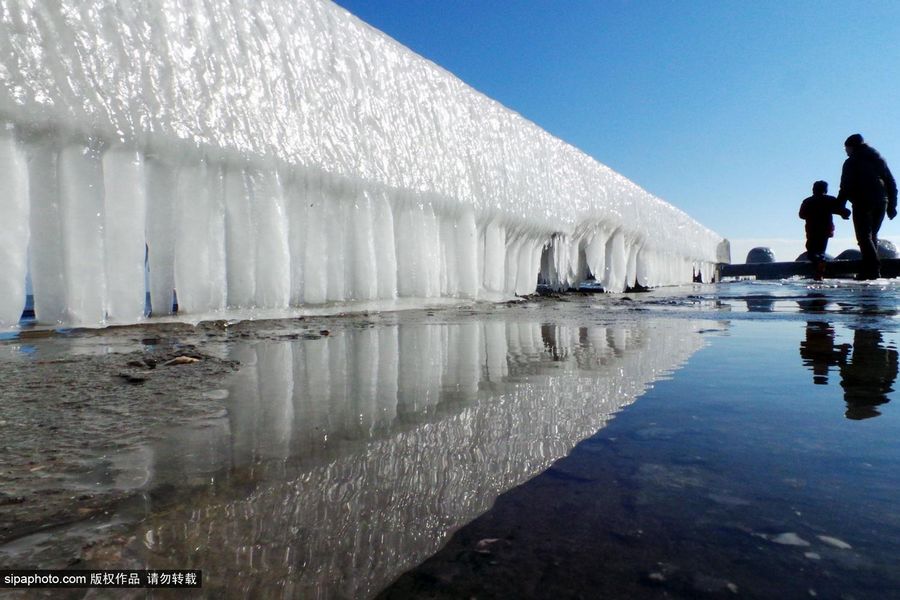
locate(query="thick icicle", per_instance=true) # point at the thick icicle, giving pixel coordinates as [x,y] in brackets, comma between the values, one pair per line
[200,239]
[48,278]
[81,208]
[14,233]
[240,240]
[124,234]
[273,255]
[161,189]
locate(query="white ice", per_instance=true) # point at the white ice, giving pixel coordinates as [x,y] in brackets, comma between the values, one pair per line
[281,154]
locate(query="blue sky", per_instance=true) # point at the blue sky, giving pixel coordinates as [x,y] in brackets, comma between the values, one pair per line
[727,109]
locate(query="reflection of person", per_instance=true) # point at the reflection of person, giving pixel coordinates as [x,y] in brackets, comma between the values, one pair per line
[819,352]
[816,210]
[869,375]
[869,185]
[868,369]
[813,303]
[760,303]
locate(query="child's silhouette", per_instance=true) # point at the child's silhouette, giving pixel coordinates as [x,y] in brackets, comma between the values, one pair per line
[817,211]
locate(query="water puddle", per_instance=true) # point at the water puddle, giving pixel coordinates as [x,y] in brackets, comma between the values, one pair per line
[766,467]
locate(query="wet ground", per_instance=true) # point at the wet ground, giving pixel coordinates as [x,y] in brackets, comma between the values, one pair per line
[730,441]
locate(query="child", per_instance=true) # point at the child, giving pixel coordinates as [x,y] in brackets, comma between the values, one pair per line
[817,211]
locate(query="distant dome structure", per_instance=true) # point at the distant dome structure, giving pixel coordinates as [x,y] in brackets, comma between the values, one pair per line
[760,255]
[805,257]
[849,254]
[886,249]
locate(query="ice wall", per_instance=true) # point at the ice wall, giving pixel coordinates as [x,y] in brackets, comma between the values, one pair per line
[281,153]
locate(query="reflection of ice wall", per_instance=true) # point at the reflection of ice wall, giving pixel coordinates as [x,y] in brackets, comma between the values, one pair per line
[369,447]
[277,153]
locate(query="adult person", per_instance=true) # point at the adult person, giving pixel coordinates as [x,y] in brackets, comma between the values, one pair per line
[816,210]
[867,182]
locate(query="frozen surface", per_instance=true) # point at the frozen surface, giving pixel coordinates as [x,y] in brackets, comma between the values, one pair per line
[283,153]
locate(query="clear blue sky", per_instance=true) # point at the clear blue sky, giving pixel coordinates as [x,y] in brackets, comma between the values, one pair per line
[727,109]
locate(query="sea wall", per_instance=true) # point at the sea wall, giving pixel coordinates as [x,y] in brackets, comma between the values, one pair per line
[278,154]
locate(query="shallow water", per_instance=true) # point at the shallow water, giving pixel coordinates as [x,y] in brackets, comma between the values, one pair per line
[763,468]
[716,439]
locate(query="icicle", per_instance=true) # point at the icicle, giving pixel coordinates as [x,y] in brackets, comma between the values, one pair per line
[364,272]
[335,232]
[431,246]
[467,255]
[240,239]
[385,249]
[412,251]
[511,263]
[297,208]
[200,240]
[14,207]
[81,206]
[614,277]
[643,262]
[526,271]
[595,253]
[272,252]
[448,262]
[48,277]
[161,189]
[315,255]
[125,209]
[494,257]
[631,250]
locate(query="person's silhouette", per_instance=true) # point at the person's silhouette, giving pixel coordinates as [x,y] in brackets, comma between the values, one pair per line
[868,377]
[819,352]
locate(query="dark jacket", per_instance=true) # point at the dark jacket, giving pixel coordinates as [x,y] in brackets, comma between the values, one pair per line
[866,180]
[817,210]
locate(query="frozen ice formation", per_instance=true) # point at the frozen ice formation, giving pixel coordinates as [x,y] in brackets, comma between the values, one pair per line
[277,154]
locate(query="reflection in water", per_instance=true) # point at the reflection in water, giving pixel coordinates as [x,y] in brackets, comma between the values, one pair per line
[352,457]
[819,352]
[760,303]
[814,302]
[867,374]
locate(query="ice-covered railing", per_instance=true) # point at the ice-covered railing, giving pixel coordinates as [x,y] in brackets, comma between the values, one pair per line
[279,153]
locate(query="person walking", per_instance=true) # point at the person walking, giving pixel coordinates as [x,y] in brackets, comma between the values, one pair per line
[817,211]
[867,182]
